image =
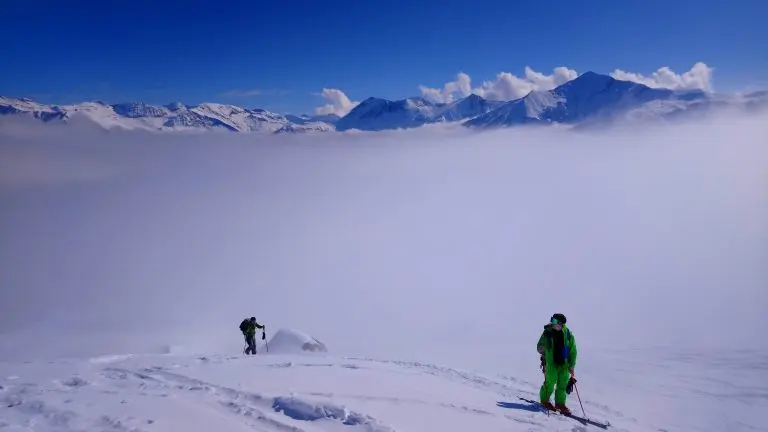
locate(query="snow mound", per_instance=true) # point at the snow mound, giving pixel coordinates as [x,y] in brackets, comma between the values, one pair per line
[299,409]
[287,341]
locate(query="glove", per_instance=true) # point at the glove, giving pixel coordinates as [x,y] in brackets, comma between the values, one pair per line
[543,364]
[569,387]
[263,335]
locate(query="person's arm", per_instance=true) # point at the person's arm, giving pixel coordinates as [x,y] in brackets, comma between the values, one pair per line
[259,326]
[573,354]
[541,345]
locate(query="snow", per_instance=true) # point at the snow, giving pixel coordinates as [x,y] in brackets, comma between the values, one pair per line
[292,341]
[277,392]
[424,262]
[173,117]
[105,116]
[376,114]
[598,100]
[591,100]
[10,106]
[305,127]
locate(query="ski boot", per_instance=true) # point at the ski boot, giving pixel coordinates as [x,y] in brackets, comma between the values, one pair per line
[548,405]
[563,409]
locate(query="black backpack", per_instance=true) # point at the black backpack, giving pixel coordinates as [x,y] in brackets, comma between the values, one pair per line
[243,325]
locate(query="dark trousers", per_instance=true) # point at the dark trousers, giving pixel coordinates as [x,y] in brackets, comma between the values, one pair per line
[251,341]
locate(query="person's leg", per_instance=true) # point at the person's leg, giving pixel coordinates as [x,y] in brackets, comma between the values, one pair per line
[563,376]
[253,345]
[550,379]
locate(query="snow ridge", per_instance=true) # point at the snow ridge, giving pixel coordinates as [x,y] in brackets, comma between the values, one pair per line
[588,100]
[376,114]
[598,99]
[172,117]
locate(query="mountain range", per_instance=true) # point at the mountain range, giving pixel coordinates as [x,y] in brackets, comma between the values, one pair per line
[589,100]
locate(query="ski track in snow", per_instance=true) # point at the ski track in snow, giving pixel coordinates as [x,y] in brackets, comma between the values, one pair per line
[280,393]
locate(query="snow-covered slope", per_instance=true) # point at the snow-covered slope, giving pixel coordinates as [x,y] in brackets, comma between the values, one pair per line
[589,96]
[326,118]
[590,100]
[176,116]
[466,108]
[303,118]
[307,127]
[375,114]
[319,392]
[241,119]
[9,106]
[593,100]
[690,106]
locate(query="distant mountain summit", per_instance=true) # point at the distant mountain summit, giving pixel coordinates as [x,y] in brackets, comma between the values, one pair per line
[375,114]
[173,117]
[589,100]
[587,96]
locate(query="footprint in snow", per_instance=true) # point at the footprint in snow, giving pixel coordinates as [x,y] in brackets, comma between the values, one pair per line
[75,382]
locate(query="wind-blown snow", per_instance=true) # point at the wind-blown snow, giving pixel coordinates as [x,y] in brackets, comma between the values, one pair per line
[435,255]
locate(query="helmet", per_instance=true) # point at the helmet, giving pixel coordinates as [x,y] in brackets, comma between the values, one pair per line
[558,318]
[253,318]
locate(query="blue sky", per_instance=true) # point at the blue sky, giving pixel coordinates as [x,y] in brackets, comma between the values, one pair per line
[280,55]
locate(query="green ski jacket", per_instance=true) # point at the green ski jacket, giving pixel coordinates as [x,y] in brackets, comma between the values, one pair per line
[545,346]
[249,328]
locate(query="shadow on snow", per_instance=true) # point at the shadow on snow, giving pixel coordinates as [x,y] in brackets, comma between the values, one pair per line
[519,406]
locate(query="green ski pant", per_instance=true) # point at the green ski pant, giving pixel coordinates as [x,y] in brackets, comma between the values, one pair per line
[555,376]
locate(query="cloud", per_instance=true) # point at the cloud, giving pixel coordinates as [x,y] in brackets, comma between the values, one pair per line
[355,237]
[698,78]
[461,87]
[507,86]
[339,103]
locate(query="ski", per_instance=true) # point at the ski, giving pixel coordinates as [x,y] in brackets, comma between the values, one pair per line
[578,418]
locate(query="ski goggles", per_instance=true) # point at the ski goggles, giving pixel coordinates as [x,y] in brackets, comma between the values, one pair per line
[555,321]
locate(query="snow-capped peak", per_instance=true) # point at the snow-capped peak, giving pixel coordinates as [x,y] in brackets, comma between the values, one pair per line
[378,114]
[587,97]
[174,116]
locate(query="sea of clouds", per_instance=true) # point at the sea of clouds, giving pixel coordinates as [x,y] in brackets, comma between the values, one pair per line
[439,243]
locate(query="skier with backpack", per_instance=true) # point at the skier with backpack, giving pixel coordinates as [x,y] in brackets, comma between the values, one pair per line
[557,347]
[248,327]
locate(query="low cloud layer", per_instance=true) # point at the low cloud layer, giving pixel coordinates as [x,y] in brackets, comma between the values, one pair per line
[438,244]
[507,86]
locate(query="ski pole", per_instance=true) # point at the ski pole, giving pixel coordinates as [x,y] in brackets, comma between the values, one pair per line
[264,336]
[579,396]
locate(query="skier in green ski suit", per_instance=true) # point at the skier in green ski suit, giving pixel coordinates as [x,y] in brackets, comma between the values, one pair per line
[557,348]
